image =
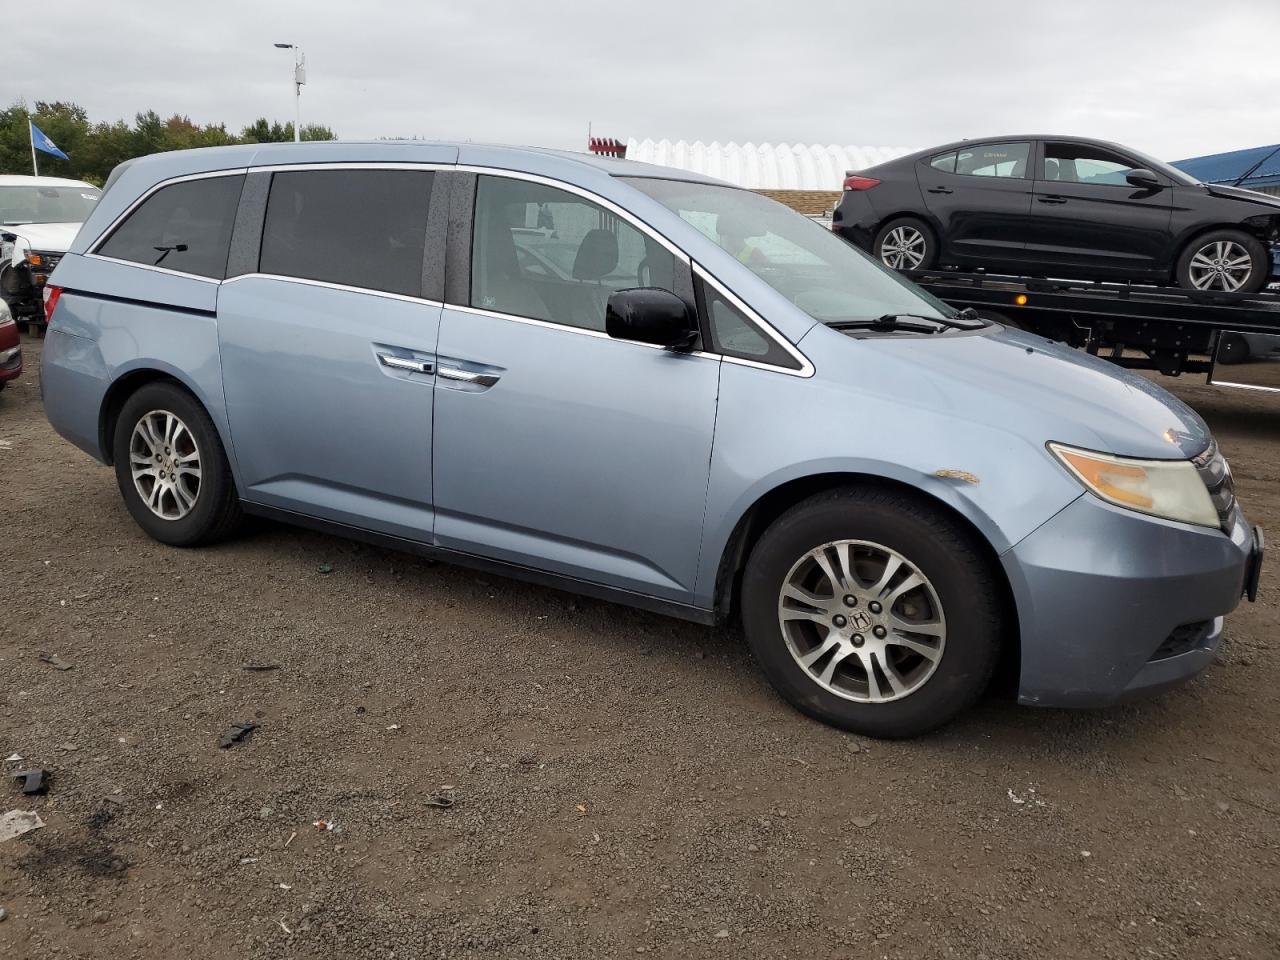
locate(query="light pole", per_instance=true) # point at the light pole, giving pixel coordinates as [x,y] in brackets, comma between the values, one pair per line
[299,78]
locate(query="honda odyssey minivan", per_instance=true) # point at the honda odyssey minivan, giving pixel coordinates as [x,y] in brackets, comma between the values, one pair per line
[647,386]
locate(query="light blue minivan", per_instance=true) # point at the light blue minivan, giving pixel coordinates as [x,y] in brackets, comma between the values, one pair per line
[648,386]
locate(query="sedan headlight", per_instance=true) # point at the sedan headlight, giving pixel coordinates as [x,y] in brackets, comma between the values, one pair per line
[1171,489]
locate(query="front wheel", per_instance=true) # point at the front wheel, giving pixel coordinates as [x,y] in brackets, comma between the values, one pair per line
[1224,261]
[872,611]
[171,468]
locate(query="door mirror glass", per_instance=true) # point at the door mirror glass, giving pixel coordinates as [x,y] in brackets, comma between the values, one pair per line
[1143,178]
[650,315]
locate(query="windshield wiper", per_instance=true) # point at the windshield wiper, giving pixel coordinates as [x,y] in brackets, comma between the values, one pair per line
[907,321]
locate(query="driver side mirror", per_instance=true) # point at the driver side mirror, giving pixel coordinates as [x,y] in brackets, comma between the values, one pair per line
[650,315]
[1143,178]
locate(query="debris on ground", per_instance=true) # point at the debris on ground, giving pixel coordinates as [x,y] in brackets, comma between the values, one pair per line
[53,660]
[13,758]
[237,732]
[35,780]
[325,568]
[323,825]
[863,822]
[442,802]
[17,822]
[260,667]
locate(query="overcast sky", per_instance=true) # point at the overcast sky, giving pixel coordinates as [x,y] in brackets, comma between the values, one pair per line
[1175,78]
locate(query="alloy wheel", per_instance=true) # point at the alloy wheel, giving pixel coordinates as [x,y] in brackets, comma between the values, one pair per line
[903,248]
[165,463]
[862,621]
[1221,265]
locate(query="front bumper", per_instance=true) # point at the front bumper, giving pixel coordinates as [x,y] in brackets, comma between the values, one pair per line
[10,363]
[1113,604]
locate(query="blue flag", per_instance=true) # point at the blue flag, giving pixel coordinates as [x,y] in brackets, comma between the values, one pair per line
[41,142]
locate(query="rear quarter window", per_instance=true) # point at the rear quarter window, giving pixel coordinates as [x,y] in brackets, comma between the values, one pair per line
[185,227]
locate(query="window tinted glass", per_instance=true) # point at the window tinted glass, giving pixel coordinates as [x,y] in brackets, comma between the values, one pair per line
[551,255]
[47,204]
[734,335]
[994,160]
[359,228]
[185,226]
[821,274]
[1079,163]
[946,162]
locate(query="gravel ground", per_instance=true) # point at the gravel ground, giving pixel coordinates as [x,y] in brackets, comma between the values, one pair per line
[622,783]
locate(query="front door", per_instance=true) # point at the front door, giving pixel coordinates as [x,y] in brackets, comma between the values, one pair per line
[1088,219]
[981,198]
[555,445]
[328,351]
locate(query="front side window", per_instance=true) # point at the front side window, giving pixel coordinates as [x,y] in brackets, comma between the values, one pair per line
[821,274]
[355,228]
[185,227]
[994,160]
[549,254]
[734,335]
[40,204]
[1079,163]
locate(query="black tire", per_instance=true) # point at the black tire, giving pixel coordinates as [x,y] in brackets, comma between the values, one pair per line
[1259,265]
[938,547]
[1232,348]
[911,223]
[215,513]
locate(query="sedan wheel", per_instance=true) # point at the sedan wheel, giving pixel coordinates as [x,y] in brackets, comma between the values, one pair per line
[862,621]
[1221,265]
[165,463]
[904,248]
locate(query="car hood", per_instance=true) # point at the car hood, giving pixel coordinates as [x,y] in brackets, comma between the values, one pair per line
[50,237]
[1239,193]
[1026,384]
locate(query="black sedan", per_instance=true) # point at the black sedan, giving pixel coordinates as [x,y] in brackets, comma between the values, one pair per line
[1061,207]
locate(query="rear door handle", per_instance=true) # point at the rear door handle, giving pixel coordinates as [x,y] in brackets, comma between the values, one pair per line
[467,376]
[405,363]
[941,190]
[1052,199]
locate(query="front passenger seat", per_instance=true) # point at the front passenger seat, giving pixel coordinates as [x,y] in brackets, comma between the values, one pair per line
[596,259]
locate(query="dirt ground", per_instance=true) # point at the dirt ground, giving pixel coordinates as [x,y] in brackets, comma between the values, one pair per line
[622,783]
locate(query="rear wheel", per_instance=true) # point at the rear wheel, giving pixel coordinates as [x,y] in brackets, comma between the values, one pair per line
[872,611]
[1224,261]
[171,468]
[906,244]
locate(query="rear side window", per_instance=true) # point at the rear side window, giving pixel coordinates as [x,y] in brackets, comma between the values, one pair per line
[185,226]
[945,163]
[357,228]
[994,160]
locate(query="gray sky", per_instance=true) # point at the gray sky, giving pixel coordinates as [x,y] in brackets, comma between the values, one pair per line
[1175,78]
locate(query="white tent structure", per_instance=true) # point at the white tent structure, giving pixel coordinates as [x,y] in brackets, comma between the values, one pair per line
[765,166]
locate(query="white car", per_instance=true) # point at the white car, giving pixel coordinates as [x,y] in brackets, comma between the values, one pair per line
[39,217]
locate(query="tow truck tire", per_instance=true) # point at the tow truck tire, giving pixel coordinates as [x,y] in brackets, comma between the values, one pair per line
[906,243]
[1229,246]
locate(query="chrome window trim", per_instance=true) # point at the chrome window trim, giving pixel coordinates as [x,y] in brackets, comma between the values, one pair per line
[142,198]
[306,281]
[153,268]
[581,331]
[806,367]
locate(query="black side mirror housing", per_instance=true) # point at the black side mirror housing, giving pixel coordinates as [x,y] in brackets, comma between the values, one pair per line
[650,315]
[1143,178]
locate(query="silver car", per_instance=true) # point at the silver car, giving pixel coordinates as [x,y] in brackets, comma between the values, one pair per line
[647,386]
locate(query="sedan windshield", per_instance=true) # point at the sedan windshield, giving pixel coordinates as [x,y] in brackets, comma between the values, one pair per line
[824,276]
[47,204]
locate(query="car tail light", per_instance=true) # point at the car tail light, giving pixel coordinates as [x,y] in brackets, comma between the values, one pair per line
[854,182]
[51,295]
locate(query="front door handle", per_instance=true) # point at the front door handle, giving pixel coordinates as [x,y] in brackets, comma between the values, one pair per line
[941,190]
[404,363]
[1051,199]
[467,376]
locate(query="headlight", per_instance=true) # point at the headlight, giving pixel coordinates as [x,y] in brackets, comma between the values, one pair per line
[1162,488]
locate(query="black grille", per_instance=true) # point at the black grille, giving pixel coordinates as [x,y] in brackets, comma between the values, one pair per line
[50,260]
[1216,474]
[1184,638]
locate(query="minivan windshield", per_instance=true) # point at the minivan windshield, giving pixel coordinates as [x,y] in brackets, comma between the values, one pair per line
[824,276]
[47,204]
